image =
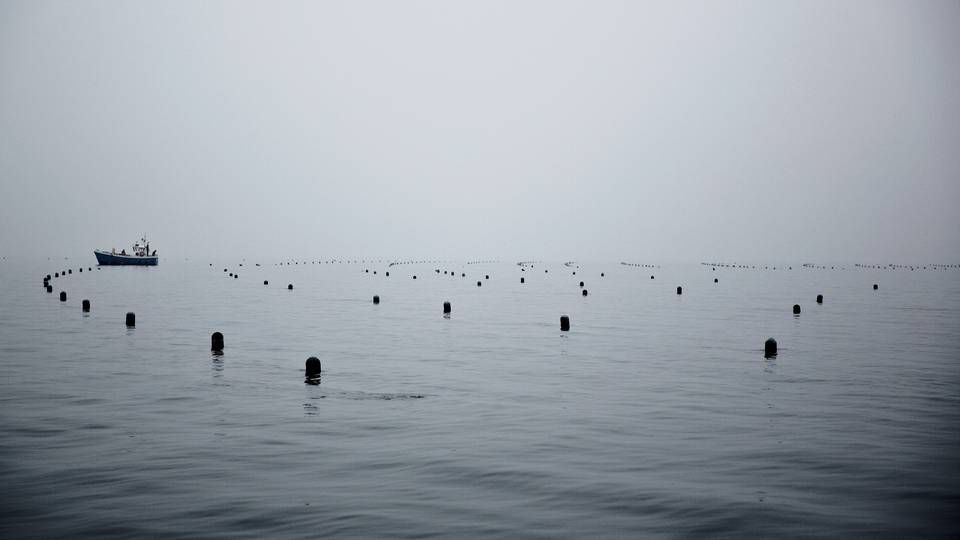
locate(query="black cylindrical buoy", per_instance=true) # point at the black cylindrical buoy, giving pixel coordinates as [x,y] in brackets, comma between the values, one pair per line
[85,305]
[216,341]
[715,280]
[679,290]
[819,298]
[235,276]
[796,309]
[70,271]
[521,280]
[584,292]
[446,308]
[651,277]
[231,274]
[581,284]
[312,367]
[479,283]
[56,274]
[376,299]
[875,287]
[486,276]
[414,277]
[224,269]
[564,323]
[81,269]
[49,288]
[131,319]
[290,287]
[265,282]
[63,296]
[770,348]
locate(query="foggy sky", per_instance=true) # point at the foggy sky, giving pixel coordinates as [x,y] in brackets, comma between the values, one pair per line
[594,130]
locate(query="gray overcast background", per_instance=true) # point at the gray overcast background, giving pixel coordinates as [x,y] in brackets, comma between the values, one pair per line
[594,130]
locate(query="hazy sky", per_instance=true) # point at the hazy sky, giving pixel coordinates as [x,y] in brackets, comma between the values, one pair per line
[594,130]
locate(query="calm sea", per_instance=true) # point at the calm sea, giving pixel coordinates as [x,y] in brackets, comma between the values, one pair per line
[655,415]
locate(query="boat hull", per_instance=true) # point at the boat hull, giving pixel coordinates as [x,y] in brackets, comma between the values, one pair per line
[105,258]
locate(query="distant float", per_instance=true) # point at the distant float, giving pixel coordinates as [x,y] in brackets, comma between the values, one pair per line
[140,255]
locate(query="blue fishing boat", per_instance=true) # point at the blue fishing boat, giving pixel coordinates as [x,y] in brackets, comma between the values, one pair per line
[140,255]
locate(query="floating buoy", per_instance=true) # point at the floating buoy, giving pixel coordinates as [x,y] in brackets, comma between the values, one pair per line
[56,274]
[715,280]
[651,277]
[446,308]
[70,271]
[486,276]
[312,367]
[521,280]
[231,274]
[224,269]
[581,284]
[679,290]
[796,309]
[414,277]
[564,323]
[49,288]
[63,296]
[479,283]
[290,287]
[235,276]
[81,269]
[770,348]
[216,341]
[875,287]
[85,305]
[387,274]
[376,299]
[463,275]
[265,282]
[131,320]
[819,298]
[584,292]
[601,274]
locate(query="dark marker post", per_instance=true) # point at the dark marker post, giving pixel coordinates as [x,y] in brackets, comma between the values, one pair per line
[265,282]
[131,320]
[63,296]
[819,298]
[85,306]
[679,290]
[216,341]
[770,348]
[290,287]
[796,309]
[376,299]
[446,308]
[584,292]
[564,323]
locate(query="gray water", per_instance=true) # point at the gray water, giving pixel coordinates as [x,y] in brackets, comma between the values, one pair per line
[657,414]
